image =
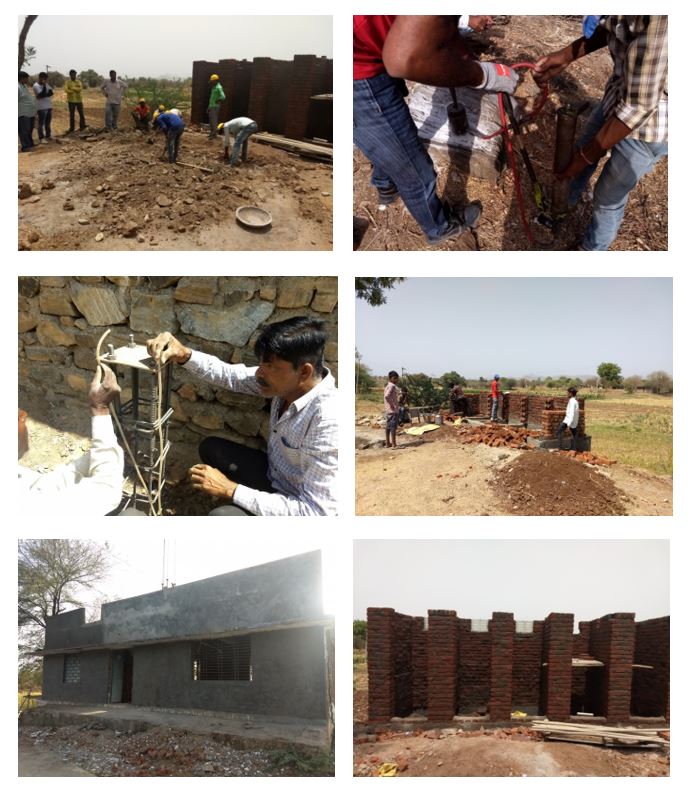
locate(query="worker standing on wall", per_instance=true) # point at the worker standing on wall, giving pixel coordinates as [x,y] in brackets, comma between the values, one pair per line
[297,476]
[388,49]
[631,122]
[495,393]
[241,128]
[215,101]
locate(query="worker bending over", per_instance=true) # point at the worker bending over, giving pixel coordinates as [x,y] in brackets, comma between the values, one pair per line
[241,128]
[173,126]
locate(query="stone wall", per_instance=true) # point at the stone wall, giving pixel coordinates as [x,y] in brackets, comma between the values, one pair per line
[61,320]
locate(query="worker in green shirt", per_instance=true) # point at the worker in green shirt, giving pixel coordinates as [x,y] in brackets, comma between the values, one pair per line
[214,103]
[73,89]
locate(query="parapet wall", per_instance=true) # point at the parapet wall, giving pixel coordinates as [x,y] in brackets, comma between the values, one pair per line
[277,94]
[447,666]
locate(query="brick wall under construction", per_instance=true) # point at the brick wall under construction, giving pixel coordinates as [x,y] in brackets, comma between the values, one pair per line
[279,95]
[446,666]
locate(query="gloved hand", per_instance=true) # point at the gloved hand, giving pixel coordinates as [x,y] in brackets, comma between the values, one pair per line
[498,77]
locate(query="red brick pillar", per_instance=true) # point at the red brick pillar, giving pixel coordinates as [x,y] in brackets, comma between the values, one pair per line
[259,89]
[618,667]
[557,652]
[381,682]
[501,630]
[419,663]
[442,664]
[303,76]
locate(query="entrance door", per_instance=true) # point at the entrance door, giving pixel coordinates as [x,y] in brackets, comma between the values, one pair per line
[121,676]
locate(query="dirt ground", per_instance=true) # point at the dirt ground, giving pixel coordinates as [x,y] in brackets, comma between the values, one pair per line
[99,751]
[436,475]
[502,752]
[511,40]
[60,433]
[117,186]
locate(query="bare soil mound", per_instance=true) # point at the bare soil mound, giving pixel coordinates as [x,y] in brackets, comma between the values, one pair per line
[548,484]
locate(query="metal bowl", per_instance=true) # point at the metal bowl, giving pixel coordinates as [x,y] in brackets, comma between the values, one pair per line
[253,217]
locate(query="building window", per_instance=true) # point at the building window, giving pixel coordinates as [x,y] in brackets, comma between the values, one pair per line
[71,669]
[222,660]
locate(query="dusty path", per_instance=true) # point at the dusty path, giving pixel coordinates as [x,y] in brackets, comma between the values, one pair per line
[499,754]
[442,477]
[119,187]
[37,760]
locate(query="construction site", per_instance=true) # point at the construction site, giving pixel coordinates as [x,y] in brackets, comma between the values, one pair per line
[67,326]
[99,188]
[524,207]
[445,695]
[225,676]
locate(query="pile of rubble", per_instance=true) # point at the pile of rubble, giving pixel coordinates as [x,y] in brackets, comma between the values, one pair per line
[588,457]
[497,435]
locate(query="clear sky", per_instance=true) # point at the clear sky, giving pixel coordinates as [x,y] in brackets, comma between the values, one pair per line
[519,327]
[528,578]
[167,45]
[137,565]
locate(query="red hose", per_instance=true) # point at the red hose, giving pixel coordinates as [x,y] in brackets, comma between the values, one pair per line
[504,130]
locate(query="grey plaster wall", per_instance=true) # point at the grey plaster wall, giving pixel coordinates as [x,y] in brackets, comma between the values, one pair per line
[289,677]
[66,631]
[273,593]
[93,686]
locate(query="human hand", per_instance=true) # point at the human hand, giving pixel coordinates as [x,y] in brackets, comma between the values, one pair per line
[165,348]
[103,390]
[480,22]
[498,77]
[212,481]
[550,66]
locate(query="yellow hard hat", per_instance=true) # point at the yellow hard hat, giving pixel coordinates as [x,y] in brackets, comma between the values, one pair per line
[220,126]
[215,77]
[155,115]
[162,107]
[141,100]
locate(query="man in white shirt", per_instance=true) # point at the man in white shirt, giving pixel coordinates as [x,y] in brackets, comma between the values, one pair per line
[44,106]
[298,475]
[91,485]
[241,129]
[570,420]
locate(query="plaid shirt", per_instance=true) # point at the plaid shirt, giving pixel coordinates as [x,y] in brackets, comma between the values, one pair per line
[302,448]
[637,92]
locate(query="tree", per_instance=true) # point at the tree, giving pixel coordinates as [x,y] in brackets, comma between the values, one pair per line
[422,391]
[92,78]
[452,376]
[660,382]
[372,288]
[630,384]
[29,55]
[56,79]
[28,22]
[52,573]
[610,374]
[508,383]
[364,379]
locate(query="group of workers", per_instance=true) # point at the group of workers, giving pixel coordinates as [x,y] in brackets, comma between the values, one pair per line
[630,125]
[396,399]
[296,476]
[36,105]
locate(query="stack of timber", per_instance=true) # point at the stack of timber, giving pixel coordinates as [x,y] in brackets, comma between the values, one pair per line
[310,150]
[618,736]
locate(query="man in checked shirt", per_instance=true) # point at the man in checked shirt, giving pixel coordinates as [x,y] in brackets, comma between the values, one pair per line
[298,475]
[631,122]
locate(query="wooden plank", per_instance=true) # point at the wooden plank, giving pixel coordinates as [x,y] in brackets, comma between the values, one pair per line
[300,147]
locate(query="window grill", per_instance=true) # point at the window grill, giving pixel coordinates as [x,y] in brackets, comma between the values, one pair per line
[71,669]
[222,659]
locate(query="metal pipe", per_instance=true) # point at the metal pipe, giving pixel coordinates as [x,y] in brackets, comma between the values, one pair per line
[567,117]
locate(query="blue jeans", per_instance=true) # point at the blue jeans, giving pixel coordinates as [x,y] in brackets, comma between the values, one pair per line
[173,137]
[241,141]
[629,160]
[111,115]
[494,407]
[44,123]
[25,126]
[385,132]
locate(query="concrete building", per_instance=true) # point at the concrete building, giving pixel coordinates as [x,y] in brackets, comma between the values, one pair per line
[253,642]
